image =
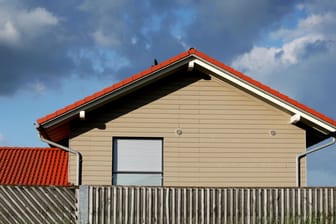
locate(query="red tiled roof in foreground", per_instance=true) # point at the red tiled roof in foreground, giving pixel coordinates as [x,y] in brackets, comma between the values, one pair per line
[172,60]
[33,166]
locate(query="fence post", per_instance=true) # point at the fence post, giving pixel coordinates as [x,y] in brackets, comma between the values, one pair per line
[83,201]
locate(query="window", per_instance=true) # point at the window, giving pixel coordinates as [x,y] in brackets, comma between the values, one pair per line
[137,161]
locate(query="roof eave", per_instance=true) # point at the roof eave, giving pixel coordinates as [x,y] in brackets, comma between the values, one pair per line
[136,83]
[202,62]
[233,78]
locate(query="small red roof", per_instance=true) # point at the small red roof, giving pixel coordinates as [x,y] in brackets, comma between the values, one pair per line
[33,166]
[184,55]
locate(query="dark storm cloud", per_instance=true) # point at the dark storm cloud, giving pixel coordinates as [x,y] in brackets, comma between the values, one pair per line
[227,28]
[40,62]
[320,6]
[33,47]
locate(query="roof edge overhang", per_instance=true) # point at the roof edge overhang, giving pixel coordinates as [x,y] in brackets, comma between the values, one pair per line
[202,62]
[277,99]
[134,83]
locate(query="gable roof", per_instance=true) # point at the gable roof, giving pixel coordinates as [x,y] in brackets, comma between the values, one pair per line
[198,60]
[33,166]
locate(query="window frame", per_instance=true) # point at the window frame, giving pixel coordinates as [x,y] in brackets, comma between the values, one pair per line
[114,157]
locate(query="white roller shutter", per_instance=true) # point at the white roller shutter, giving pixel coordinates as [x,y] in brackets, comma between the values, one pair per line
[137,155]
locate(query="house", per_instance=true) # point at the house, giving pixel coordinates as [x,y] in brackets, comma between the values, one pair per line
[188,121]
[33,166]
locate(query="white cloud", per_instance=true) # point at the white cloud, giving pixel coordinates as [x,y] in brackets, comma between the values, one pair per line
[314,24]
[8,33]
[18,24]
[35,19]
[105,40]
[311,34]
[263,61]
[259,60]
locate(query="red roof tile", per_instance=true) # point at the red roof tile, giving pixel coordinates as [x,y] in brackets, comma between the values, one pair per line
[33,166]
[172,60]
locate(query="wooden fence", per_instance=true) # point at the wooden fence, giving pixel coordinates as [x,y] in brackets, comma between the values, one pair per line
[33,204]
[173,205]
[109,204]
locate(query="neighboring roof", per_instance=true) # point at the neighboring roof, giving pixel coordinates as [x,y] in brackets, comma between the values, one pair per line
[203,61]
[33,166]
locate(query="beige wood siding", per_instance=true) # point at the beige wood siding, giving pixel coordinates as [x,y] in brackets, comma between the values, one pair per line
[226,135]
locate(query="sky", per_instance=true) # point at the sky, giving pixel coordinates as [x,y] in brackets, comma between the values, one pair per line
[53,53]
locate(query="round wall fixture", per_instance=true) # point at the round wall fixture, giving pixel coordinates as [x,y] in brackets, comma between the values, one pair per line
[178,131]
[272,133]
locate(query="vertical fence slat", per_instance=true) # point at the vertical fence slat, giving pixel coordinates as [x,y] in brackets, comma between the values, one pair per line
[332,201]
[311,207]
[254,205]
[259,205]
[219,206]
[196,208]
[202,206]
[184,200]
[265,206]
[276,204]
[224,212]
[271,205]
[282,206]
[149,205]
[236,204]
[305,204]
[190,206]
[321,205]
[213,203]
[242,209]
[161,206]
[207,204]
[248,208]
[178,205]
[326,203]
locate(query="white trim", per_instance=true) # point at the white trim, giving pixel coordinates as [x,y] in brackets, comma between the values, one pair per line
[82,114]
[191,66]
[295,118]
[234,79]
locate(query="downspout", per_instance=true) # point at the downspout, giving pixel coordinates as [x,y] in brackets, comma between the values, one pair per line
[78,156]
[299,156]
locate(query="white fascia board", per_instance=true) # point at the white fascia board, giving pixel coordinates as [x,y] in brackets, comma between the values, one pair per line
[295,118]
[281,103]
[191,65]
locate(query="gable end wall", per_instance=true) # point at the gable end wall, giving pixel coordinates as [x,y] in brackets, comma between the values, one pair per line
[226,135]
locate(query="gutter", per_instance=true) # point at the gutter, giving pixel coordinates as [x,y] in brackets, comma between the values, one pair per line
[301,155]
[78,156]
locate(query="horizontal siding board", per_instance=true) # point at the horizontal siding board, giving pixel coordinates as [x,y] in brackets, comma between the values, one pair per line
[232,166]
[250,155]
